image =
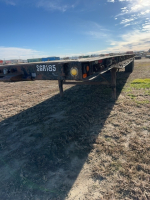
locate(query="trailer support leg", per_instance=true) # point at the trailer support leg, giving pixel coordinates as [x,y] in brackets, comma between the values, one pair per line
[113,82]
[60,84]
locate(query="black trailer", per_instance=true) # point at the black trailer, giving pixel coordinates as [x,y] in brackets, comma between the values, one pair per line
[81,71]
[137,57]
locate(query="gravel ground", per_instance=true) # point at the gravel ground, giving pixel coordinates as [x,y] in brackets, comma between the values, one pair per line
[81,146]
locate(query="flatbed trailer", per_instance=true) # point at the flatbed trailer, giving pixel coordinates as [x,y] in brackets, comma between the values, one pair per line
[81,71]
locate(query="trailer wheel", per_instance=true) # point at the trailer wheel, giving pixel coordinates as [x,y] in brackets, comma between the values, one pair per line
[129,67]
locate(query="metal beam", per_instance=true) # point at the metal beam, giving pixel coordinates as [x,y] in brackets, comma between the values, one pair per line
[87,83]
[113,82]
[60,84]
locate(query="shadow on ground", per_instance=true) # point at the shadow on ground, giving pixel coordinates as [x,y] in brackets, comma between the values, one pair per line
[43,149]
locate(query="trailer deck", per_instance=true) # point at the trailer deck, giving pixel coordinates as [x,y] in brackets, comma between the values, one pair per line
[81,71]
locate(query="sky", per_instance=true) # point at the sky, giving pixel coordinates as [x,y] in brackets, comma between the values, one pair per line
[42,28]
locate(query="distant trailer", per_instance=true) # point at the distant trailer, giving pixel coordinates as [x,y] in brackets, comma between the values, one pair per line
[34,60]
[137,57]
[86,57]
[50,59]
[129,52]
[81,71]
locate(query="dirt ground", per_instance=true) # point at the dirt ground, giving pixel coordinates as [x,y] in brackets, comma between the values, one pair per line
[83,146]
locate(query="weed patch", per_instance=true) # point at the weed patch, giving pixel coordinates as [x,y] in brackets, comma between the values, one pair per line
[147,93]
[142,102]
[140,83]
[132,96]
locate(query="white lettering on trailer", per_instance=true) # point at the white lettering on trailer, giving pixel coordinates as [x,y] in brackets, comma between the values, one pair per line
[48,68]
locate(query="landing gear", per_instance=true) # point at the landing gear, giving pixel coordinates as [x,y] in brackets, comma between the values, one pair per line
[129,67]
[60,84]
[113,82]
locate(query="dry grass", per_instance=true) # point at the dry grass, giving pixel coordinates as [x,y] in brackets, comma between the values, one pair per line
[123,152]
[83,146]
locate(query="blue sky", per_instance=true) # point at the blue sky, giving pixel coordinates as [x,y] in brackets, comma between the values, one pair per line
[40,28]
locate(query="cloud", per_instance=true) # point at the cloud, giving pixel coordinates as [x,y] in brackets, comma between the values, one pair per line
[94,30]
[127,25]
[96,34]
[124,21]
[146,26]
[113,43]
[10,2]
[135,6]
[124,0]
[18,53]
[143,14]
[111,1]
[136,11]
[135,40]
[55,5]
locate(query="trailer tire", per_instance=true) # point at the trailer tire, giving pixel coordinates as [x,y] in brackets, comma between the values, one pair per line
[129,67]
